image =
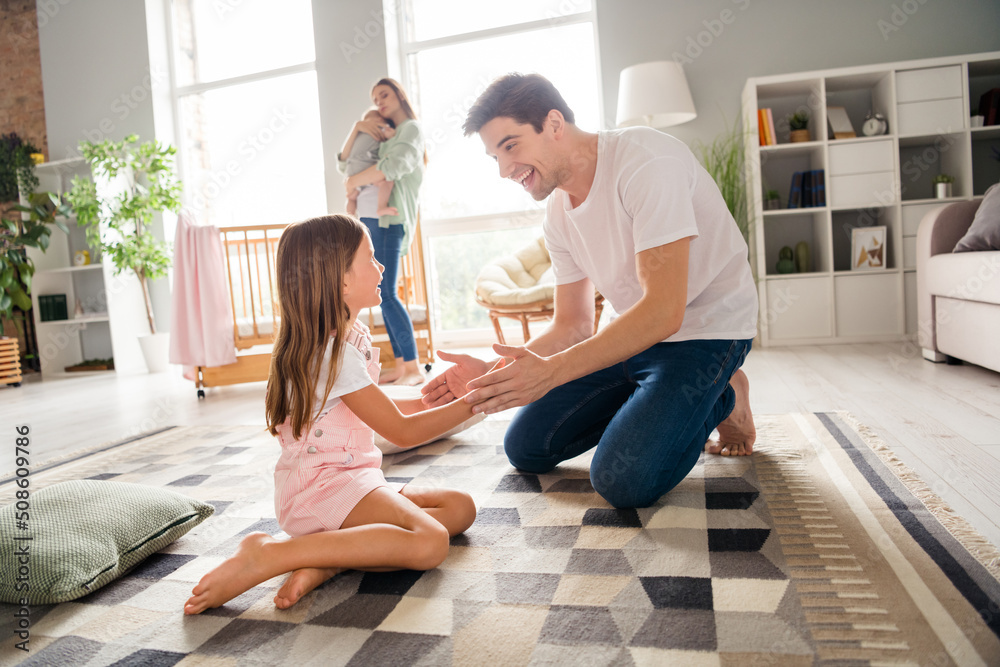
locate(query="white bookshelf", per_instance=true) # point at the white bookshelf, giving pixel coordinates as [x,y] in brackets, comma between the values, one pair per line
[112,305]
[879,180]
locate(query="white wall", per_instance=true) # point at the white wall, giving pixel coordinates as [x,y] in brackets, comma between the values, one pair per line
[97,84]
[350,58]
[724,42]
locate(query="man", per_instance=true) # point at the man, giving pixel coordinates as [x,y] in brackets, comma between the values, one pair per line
[632,213]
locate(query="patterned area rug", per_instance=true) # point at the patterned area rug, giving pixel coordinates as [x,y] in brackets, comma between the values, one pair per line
[819,549]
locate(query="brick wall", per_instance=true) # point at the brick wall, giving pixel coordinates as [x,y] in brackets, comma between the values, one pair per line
[22,104]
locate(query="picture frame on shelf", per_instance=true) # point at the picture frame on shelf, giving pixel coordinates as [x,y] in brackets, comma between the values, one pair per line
[840,124]
[868,248]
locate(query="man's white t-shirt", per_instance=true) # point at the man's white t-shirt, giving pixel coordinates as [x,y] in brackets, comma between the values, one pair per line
[650,190]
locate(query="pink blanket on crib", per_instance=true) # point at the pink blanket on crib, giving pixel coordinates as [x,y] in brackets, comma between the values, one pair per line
[202,319]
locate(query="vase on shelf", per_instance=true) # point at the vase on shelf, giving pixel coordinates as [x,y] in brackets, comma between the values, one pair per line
[798,136]
[942,190]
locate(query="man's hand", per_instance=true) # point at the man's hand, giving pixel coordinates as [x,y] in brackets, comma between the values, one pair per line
[451,384]
[525,378]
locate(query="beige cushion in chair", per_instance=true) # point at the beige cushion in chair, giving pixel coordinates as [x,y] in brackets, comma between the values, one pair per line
[524,277]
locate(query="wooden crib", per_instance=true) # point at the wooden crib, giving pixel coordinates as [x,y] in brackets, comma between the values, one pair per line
[250,264]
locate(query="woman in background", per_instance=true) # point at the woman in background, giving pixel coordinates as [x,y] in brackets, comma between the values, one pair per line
[401,159]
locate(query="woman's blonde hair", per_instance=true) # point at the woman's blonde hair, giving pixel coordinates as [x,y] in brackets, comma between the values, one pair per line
[311,261]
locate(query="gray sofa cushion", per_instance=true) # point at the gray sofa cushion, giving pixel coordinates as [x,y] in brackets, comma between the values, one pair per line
[984,234]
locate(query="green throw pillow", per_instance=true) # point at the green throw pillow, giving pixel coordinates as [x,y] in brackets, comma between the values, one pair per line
[85,534]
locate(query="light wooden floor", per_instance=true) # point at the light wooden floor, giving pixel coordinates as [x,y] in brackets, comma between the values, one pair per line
[942,421]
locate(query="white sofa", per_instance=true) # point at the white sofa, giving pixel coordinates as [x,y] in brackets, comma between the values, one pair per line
[958,294]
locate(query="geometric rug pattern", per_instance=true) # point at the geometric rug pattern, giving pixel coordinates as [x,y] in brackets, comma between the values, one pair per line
[818,549]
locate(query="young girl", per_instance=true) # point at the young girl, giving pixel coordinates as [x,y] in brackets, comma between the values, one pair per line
[323,401]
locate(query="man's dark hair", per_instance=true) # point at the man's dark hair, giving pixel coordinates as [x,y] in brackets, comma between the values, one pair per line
[526,98]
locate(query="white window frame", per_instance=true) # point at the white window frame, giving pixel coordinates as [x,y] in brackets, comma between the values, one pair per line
[399,50]
[177,93]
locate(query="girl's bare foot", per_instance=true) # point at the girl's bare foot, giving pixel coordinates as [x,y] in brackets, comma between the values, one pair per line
[410,379]
[737,433]
[236,575]
[387,210]
[390,375]
[300,583]
[405,373]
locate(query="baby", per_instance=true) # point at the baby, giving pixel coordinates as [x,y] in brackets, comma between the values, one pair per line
[364,153]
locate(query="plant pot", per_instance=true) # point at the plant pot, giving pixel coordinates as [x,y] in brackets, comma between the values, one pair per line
[798,136]
[155,350]
[942,190]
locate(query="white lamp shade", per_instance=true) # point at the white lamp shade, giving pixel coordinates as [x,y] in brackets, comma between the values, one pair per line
[654,94]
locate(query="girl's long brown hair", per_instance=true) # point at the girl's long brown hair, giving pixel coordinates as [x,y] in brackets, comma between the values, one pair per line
[311,261]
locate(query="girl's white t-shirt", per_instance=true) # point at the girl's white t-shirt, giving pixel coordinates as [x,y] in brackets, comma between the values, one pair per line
[352,375]
[650,190]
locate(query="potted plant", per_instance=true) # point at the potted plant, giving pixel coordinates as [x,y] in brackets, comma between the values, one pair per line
[772,200]
[17,233]
[723,159]
[942,186]
[17,168]
[798,123]
[137,180]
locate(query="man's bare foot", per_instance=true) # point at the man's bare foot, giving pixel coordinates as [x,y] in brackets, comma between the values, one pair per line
[236,575]
[737,433]
[300,583]
[387,210]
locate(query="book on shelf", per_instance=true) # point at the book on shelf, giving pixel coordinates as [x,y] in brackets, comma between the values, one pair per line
[795,191]
[808,189]
[765,127]
[988,107]
[819,188]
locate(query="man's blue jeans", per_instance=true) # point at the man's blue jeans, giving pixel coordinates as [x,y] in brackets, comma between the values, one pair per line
[649,418]
[388,243]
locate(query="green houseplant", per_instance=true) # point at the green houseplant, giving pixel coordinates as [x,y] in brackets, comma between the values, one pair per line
[17,168]
[798,123]
[134,181]
[18,232]
[723,159]
[942,185]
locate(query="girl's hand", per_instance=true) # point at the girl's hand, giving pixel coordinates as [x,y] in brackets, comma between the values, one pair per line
[450,385]
[388,131]
[369,127]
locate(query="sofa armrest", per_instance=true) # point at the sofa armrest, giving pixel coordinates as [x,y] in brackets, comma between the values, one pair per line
[939,232]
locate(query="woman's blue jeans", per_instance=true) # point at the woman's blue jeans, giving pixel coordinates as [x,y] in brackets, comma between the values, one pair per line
[649,418]
[388,243]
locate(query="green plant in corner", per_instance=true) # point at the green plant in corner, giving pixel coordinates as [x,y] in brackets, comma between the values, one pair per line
[943,178]
[18,232]
[17,169]
[137,181]
[723,159]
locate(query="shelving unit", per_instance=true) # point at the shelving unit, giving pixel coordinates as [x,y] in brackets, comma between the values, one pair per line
[880,180]
[107,327]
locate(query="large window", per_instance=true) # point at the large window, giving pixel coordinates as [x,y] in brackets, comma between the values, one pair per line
[248,110]
[449,56]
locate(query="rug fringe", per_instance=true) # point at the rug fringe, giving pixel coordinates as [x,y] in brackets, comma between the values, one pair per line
[982,549]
